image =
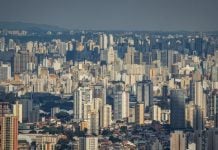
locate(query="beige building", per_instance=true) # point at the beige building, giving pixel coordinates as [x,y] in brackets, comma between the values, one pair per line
[139,113]
[106,116]
[17,111]
[8,129]
[88,143]
[177,140]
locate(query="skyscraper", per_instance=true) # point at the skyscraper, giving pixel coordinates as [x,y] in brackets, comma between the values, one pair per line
[145,92]
[83,95]
[110,40]
[177,107]
[177,140]
[212,138]
[8,128]
[5,72]
[17,111]
[199,45]
[139,113]
[121,105]
[23,61]
[200,100]
[2,44]
[103,41]
[105,116]
[27,106]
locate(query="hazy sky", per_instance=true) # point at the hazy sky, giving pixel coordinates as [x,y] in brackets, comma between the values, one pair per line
[115,14]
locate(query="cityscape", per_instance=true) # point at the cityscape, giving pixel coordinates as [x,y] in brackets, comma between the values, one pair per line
[83,88]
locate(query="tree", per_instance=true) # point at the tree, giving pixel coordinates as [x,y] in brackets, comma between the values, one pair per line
[63,116]
[123,129]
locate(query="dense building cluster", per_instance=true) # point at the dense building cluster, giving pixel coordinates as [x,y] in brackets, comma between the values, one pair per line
[109,90]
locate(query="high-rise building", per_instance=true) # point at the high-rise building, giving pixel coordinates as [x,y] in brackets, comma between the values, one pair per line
[129,55]
[177,107]
[212,138]
[23,61]
[121,105]
[199,46]
[5,72]
[2,44]
[11,44]
[27,106]
[103,41]
[177,140]
[88,143]
[214,73]
[144,91]
[17,111]
[216,57]
[139,113]
[165,92]
[34,114]
[200,99]
[8,128]
[110,40]
[170,61]
[156,113]
[93,122]
[164,56]
[54,111]
[82,95]
[110,55]
[105,116]
[213,107]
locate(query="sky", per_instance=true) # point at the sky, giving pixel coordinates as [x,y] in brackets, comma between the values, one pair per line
[161,15]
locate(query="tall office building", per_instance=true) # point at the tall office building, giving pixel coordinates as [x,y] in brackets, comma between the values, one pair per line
[105,116]
[27,106]
[17,111]
[213,107]
[129,55]
[164,56]
[212,138]
[139,113]
[192,90]
[144,91]
[5,72]
[99,91]
[93,121]
[165,92]
[110,40]
[11,44]
[88,143]
[103,41]
[110,55]
[82,95]
[200,99]
[8,128]
[54,111]
[34,114]
[23,61]
[199,46]
[214,73]
[194,116]
[177,140]
[170,61]
[121,105]
[177,107]
[156,113]
[216,57]
[2,44]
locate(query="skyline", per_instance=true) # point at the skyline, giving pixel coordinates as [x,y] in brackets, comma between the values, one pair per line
[167,15]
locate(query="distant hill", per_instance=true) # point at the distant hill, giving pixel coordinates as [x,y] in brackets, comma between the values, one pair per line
[29,26]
